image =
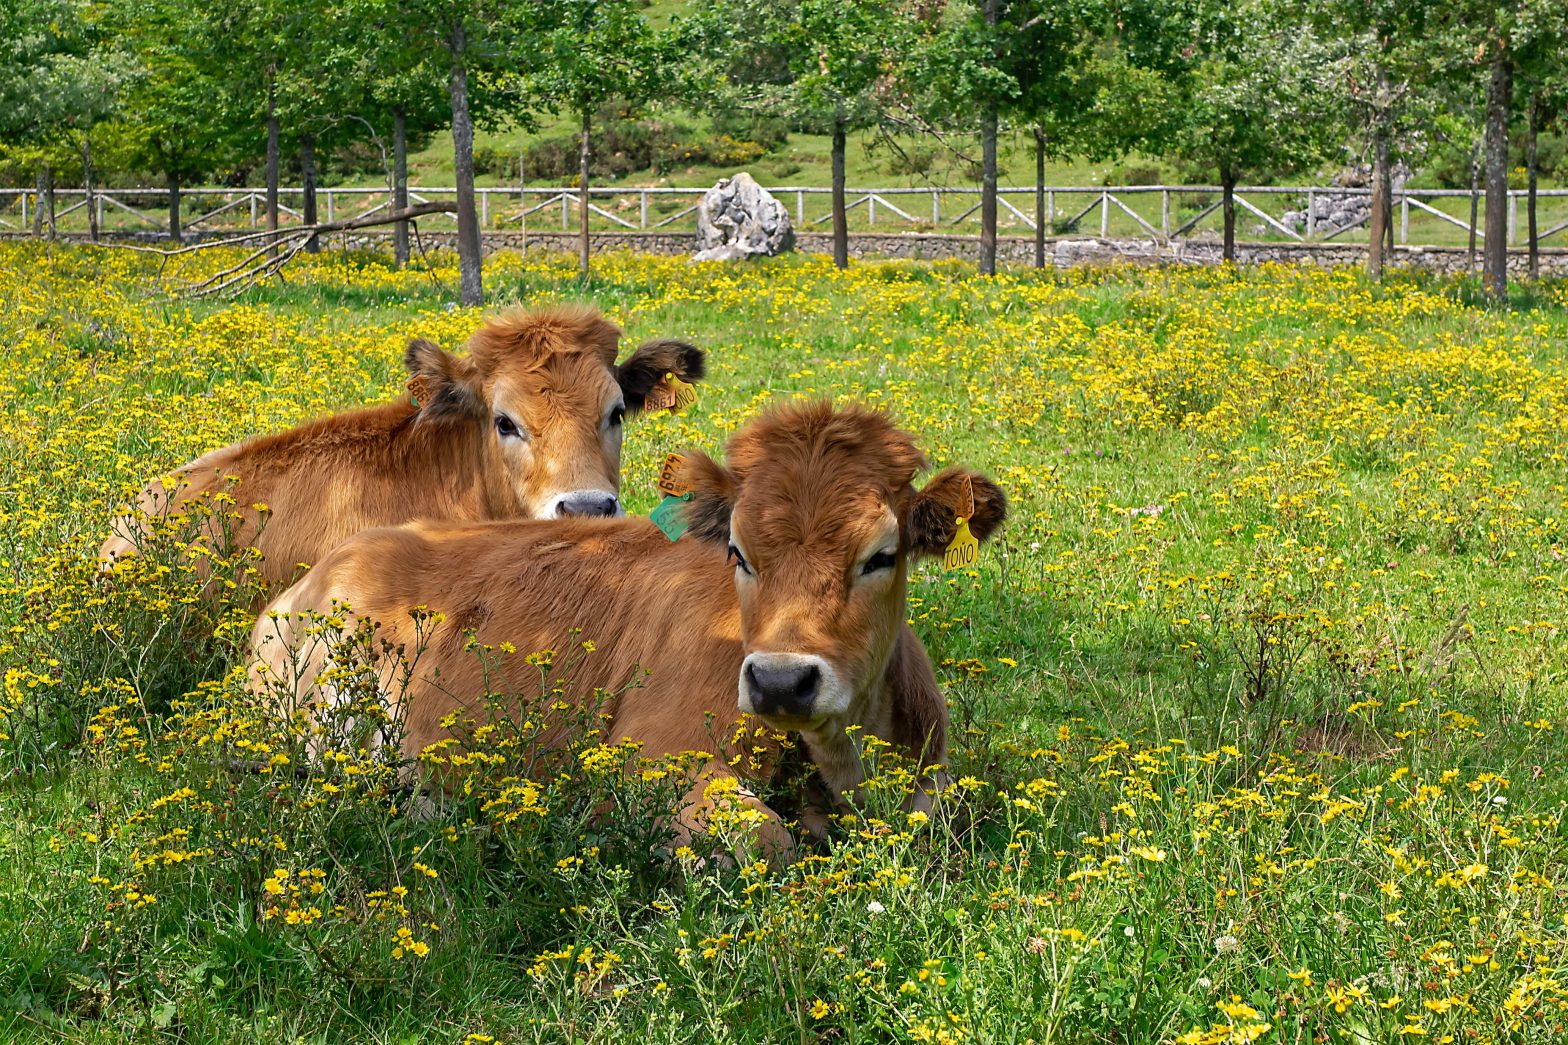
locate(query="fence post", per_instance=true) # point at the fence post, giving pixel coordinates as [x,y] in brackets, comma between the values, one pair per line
[563,211]
[484,208]
[1404,221]
[253,210]
[1512,199]
[871,208]
[24,212]
[936,208]
[1312,221]
[642,208]
[800,209]
[1105,214]
[1165,214]
[331,213]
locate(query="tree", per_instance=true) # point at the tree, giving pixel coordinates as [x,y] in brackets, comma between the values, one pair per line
[962,76]
[1499,37]
[1250,101]
[403,94]
[824,64]
[1094,79]
[598,50]
[1384,64]
[484,50]
[62,78]
[165,124]
[1543,83]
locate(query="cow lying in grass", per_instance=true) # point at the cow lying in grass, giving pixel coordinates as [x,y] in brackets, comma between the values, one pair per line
[786,600]
[528,425]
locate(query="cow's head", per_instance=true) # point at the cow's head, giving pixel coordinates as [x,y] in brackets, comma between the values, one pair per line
[548,399]
[817,509]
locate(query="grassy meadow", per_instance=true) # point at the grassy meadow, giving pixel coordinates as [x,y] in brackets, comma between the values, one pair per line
[1259,700]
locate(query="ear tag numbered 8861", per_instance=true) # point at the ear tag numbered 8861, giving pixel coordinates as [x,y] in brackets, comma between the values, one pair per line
[964,549]
[671,393]
[670,515]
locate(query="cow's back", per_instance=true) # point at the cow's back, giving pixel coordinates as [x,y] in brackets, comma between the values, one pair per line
[297,494]
[657,614]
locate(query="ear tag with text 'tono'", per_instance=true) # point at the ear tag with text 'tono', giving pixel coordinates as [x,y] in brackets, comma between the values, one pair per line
[670,515]
[964,549]
[671,393]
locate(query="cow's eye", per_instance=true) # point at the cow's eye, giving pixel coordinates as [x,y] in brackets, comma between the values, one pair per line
[617,416]
[879,561]
[740,560]
[507,428]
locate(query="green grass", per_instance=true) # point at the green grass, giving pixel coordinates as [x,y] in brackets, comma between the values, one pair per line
[1275,623]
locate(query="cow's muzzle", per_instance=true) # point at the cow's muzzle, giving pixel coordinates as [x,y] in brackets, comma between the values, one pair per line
[587,503]
[786,685]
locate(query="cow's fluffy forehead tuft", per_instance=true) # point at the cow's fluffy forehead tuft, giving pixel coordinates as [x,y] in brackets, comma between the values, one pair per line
[529,341]
[812,462]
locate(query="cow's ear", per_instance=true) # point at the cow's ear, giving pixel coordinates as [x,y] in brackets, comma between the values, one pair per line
[647,366]
[713,490]
[440,384]
[933,517]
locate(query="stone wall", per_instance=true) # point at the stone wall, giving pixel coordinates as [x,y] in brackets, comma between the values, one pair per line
[1061,252]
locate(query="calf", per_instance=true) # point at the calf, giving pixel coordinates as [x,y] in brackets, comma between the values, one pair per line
[527,425]
[786,601]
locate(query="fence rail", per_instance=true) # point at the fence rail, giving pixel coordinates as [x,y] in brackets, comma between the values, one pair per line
[1162,212]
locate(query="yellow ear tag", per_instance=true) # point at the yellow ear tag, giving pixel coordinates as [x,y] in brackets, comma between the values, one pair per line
[418,388]
[671,393]
[964,549]
[670,515]
[668,482]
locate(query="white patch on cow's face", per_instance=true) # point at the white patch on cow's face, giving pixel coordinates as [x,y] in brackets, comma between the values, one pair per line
[821,622]
[560,445]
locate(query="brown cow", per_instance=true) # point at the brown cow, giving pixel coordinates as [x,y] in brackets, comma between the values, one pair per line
[786,601]
[528,425]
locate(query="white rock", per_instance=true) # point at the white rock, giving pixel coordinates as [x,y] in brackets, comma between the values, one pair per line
[738,218]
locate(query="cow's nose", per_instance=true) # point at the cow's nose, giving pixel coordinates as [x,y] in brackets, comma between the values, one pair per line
[788,689]
[587,504]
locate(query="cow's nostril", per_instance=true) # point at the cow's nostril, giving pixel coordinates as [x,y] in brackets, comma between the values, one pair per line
[790,689]
[596,504]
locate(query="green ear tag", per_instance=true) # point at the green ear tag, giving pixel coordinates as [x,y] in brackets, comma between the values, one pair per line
[670,516]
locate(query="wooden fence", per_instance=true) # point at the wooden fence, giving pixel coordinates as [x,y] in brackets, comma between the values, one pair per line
[1423,217]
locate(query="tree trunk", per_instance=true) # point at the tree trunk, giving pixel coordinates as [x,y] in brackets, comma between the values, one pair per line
[175,233]
[988,119]
[400,185]
[1532,129]
[840,219]
[1475,199]
[307,167]
[469,261]
[1382,204]
[1039,198]
[1228,196]
[582,195]
[87,187]
[988,192]
[43,209]
[272,162]
[1499,102]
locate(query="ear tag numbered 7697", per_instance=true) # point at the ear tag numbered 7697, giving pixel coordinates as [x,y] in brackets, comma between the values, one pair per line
[964,549]
[671,393]
[670,515]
